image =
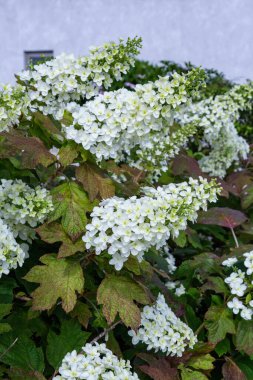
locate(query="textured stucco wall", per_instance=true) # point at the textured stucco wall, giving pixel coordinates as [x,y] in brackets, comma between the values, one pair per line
[214,33]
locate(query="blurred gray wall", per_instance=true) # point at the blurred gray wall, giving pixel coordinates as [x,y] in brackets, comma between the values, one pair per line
[213,33]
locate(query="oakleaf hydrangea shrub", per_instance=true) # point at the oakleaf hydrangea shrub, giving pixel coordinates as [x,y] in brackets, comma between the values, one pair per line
[120,256]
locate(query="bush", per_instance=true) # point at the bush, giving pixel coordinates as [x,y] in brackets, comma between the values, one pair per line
[114,262]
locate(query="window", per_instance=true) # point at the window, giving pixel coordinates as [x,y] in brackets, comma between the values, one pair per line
[33,57]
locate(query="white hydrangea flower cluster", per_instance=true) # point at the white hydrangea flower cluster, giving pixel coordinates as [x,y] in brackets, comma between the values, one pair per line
[228,149]
[21,209]
[13,103]
[139,123]
[125,227]
[217,117]
[176,286]
[120,178]
[53,84]
[171,261]
[12,254]
[96,362]
[229,262]
[240,283]
[162,330]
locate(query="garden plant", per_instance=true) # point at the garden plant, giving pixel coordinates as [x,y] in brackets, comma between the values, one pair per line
[126,221]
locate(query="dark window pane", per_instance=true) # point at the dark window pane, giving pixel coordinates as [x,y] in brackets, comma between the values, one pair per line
[34,57]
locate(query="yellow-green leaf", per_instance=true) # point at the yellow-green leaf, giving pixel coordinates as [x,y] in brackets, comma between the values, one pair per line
[54,232]
[201,362]
[68,153]
[188,374]
[117,295]
[71,205]
[58,278]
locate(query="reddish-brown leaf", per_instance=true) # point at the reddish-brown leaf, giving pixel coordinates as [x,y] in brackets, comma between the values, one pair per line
[222,216]
[29,150]
[135,174]
[82,312]
[158,368]
[94,182]
[21,374]
[247,196]
[237,181]
[231,371]
[184,164]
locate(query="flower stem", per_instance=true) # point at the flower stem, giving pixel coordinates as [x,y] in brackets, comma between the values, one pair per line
[105,332]
[199,329]
[235,238]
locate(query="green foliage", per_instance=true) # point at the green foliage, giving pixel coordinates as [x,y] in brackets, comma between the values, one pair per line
[218,323]
[244,336]
[222,347]
[4,311]
[246,366]
[70,338]
[6,290]
[21,352]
